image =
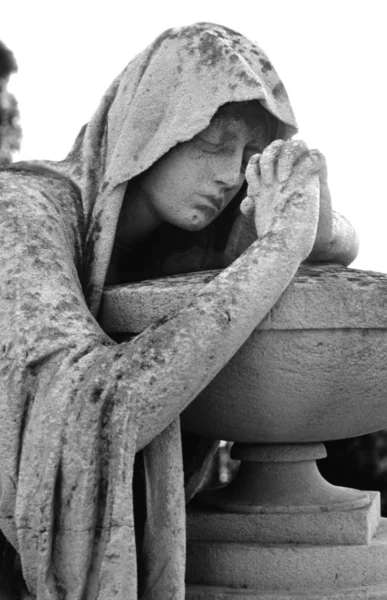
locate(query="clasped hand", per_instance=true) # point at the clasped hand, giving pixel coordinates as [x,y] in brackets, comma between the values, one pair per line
[287,189]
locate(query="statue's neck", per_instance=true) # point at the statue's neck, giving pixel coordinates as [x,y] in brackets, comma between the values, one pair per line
[137,220]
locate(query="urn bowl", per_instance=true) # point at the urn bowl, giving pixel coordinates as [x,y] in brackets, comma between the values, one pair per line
[314,369]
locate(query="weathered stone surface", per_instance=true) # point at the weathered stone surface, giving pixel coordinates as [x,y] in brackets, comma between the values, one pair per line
[73,413]
[318,357]
[282,478]
[293,567]
[201,592]
[319,297]
[307,526]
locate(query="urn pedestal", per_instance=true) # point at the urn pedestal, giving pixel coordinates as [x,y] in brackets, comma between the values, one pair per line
[315,369]
[280,531]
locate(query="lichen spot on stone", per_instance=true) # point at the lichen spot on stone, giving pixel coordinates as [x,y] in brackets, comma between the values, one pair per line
[265,65]
[251,81]
[96,394]
[210,49]
[279,92]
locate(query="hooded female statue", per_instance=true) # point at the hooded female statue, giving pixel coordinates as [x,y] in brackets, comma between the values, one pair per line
[75,405]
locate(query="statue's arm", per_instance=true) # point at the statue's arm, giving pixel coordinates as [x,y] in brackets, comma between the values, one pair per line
[155,376]
[341,247]
[190,347]
[187,349]
[75,406]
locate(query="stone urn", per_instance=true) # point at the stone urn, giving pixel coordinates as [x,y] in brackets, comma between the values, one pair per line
[315,369]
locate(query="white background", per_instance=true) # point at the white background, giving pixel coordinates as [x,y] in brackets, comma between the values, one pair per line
[331,55]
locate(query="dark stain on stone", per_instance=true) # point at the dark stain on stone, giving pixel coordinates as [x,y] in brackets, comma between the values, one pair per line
[266,65]
[79,355]
[96,394]
[60,587]
[279,92]
[237,45]
[74,299]
[29,309]
[211,41]
[251,81]
[32,250]
[65,305]
[211,49]
[29,397]
[220,34]
[7,204]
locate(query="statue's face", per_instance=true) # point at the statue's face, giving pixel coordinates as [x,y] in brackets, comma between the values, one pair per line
[194,182]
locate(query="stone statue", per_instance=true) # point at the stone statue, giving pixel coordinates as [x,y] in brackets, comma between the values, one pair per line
[186,165]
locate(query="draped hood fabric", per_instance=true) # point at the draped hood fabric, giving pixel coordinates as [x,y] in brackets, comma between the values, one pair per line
[69,419]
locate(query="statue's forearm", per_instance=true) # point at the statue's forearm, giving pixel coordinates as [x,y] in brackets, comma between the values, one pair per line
[172,361]
[342,248]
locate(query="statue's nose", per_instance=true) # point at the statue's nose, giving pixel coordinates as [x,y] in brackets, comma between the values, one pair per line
[230,173]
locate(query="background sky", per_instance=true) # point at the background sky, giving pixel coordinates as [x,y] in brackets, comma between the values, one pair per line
[331,55]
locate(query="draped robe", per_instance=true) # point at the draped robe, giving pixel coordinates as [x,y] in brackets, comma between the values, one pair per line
[71,407]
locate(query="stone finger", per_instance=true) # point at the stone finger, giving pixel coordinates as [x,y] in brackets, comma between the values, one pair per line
[247,206]
[311,162]
[253,174]
[268,162]
[288,155]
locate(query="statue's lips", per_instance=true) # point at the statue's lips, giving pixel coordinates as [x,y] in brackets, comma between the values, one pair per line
[215,201]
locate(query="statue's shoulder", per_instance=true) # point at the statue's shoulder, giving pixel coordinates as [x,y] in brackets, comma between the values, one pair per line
[27,181]
[35,173]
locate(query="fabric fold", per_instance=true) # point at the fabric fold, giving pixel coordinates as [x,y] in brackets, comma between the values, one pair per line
[71,417]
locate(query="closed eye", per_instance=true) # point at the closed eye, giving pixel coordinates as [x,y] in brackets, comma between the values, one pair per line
[209,146]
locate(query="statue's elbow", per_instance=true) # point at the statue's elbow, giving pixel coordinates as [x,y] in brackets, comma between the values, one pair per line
[347,246]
